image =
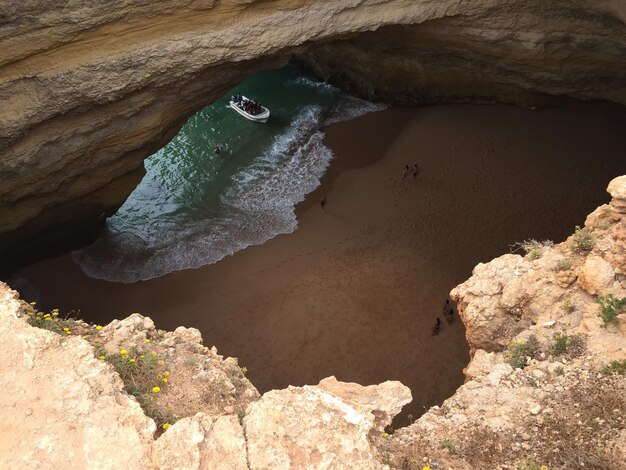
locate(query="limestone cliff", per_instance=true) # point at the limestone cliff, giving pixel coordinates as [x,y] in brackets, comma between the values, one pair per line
[531,54]
[67,407]
[540,389]
[89,89]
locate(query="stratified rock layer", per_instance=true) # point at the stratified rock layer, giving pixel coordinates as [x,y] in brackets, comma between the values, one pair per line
[532,54]
[89,90]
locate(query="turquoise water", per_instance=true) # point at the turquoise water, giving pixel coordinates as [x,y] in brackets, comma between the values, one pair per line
[195,206]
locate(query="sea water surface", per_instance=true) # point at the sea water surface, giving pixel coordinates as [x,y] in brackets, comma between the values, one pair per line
[195,206]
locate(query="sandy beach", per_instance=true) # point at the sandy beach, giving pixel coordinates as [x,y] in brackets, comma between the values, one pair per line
[355,291]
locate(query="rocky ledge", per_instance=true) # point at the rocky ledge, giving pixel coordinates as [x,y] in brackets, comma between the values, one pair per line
[546,386]
[89,89]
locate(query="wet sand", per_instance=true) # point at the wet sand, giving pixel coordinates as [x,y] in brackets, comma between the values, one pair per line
[355,291]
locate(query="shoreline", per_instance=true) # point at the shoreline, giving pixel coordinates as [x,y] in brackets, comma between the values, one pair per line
[354,291]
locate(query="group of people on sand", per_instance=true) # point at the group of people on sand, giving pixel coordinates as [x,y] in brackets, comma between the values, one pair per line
[248,106]
[413,170]
[448,314]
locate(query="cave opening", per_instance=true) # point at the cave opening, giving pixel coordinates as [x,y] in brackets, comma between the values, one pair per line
[354,291]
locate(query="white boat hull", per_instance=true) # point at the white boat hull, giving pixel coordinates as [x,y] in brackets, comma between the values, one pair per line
[262,117]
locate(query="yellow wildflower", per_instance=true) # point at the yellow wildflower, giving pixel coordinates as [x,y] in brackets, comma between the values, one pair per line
[101,358]
[98,327]
[161,362]
[65,328]
[166,374]
[156,389]
[244,369]
[164,379]
[47,315]
[544,467]
[123,352]
[147,340]
[48,319]
[166,425]
[153,353]
[519,341]
[132,361]
[426,468]
[142,356]
[68,332]
[33,303]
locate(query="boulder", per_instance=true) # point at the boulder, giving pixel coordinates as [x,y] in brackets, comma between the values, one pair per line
[202,442]
[323,426]
[596,275]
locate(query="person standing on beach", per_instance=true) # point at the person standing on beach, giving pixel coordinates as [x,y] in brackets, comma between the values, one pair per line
[323,203]
[416,171]
[437,327]
[405,172]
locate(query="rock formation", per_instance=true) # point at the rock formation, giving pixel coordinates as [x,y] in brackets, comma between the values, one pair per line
[88,92]
[66,405]
[540,388]
[531,55]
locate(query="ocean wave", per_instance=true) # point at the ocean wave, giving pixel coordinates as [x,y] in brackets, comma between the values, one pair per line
[313,83]
[188,212]
[259,205]
[351,107]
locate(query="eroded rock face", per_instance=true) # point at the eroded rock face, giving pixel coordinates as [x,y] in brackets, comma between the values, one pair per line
[202,442]
[556,406]
[64,407]
[555,403]
[89,91]
[325,426]
[68,408]
[531,54]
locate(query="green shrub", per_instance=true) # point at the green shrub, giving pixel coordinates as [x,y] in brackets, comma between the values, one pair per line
[144,376]
[519,350]
[531,466]
[615,367]
[568,306]
[583,240]
[563,343]
[53,321]
[448,444]
[533,248]
[564,265]
[610,307]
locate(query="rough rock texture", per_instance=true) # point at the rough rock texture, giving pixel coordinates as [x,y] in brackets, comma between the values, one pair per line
[535,53]
[202,442]
[68,409]
[89,89]
[537,392]
[513,293]
[325,426]
[200,379]
[559,408]
[61,407]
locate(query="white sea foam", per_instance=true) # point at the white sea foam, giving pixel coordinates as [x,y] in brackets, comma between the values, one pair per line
[153,236]
[257,207]
[351,108]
